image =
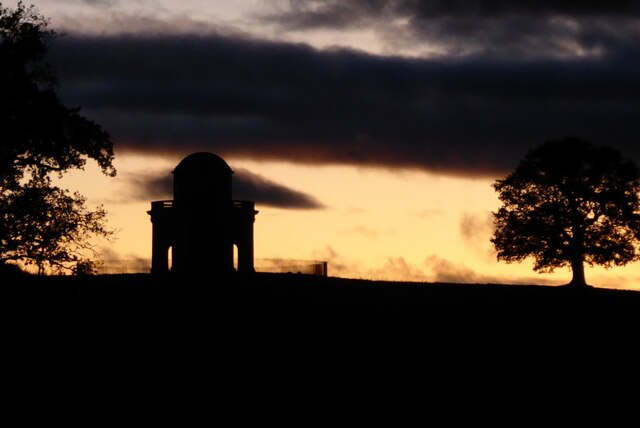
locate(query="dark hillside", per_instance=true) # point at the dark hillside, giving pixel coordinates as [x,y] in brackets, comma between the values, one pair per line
[273,336]
[306,309]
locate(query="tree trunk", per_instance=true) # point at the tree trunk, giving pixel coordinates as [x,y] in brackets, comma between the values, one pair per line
[577,270]
[577,247]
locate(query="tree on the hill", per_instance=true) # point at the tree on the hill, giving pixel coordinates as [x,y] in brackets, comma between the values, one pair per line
[569,203]
[48,227]
[41,138]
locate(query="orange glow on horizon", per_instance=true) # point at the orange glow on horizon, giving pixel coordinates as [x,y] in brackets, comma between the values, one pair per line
[377,224]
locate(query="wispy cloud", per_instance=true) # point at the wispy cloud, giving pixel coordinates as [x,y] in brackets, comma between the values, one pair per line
[363,231]
[520,28]
[393,269]
[476,230]
[435,269]
[443,270]
[246,186]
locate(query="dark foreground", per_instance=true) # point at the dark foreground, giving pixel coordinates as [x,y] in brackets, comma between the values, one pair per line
[247,345]
[301,311]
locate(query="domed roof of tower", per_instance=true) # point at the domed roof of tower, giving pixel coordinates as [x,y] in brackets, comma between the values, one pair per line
[203,162]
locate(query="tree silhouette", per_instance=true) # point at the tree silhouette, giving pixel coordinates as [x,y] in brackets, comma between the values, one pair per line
[53,226]
[40,137]
[566,204]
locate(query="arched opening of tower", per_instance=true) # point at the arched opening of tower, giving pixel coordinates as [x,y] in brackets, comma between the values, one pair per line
[235,257]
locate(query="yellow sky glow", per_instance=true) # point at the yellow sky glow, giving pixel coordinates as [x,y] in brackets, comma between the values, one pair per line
[377,224]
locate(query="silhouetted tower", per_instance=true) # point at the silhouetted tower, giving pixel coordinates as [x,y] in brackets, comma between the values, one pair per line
[203,223]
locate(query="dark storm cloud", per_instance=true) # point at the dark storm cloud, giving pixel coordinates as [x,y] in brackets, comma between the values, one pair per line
[525,36]
[343,13]
[246,186]
[473,116]
[429,8]
[250,186]
[148,187]
[310,14]
[528,29]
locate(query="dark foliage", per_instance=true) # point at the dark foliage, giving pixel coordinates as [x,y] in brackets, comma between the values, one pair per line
[52,227]
[39,136]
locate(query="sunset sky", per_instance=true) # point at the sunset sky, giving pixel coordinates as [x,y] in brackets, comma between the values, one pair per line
[368,132]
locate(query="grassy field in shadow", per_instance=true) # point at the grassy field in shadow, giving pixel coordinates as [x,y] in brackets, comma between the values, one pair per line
[300,309]
[258,339]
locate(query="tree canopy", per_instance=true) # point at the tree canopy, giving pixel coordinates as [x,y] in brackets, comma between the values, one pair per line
[568,203]
[41,137]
